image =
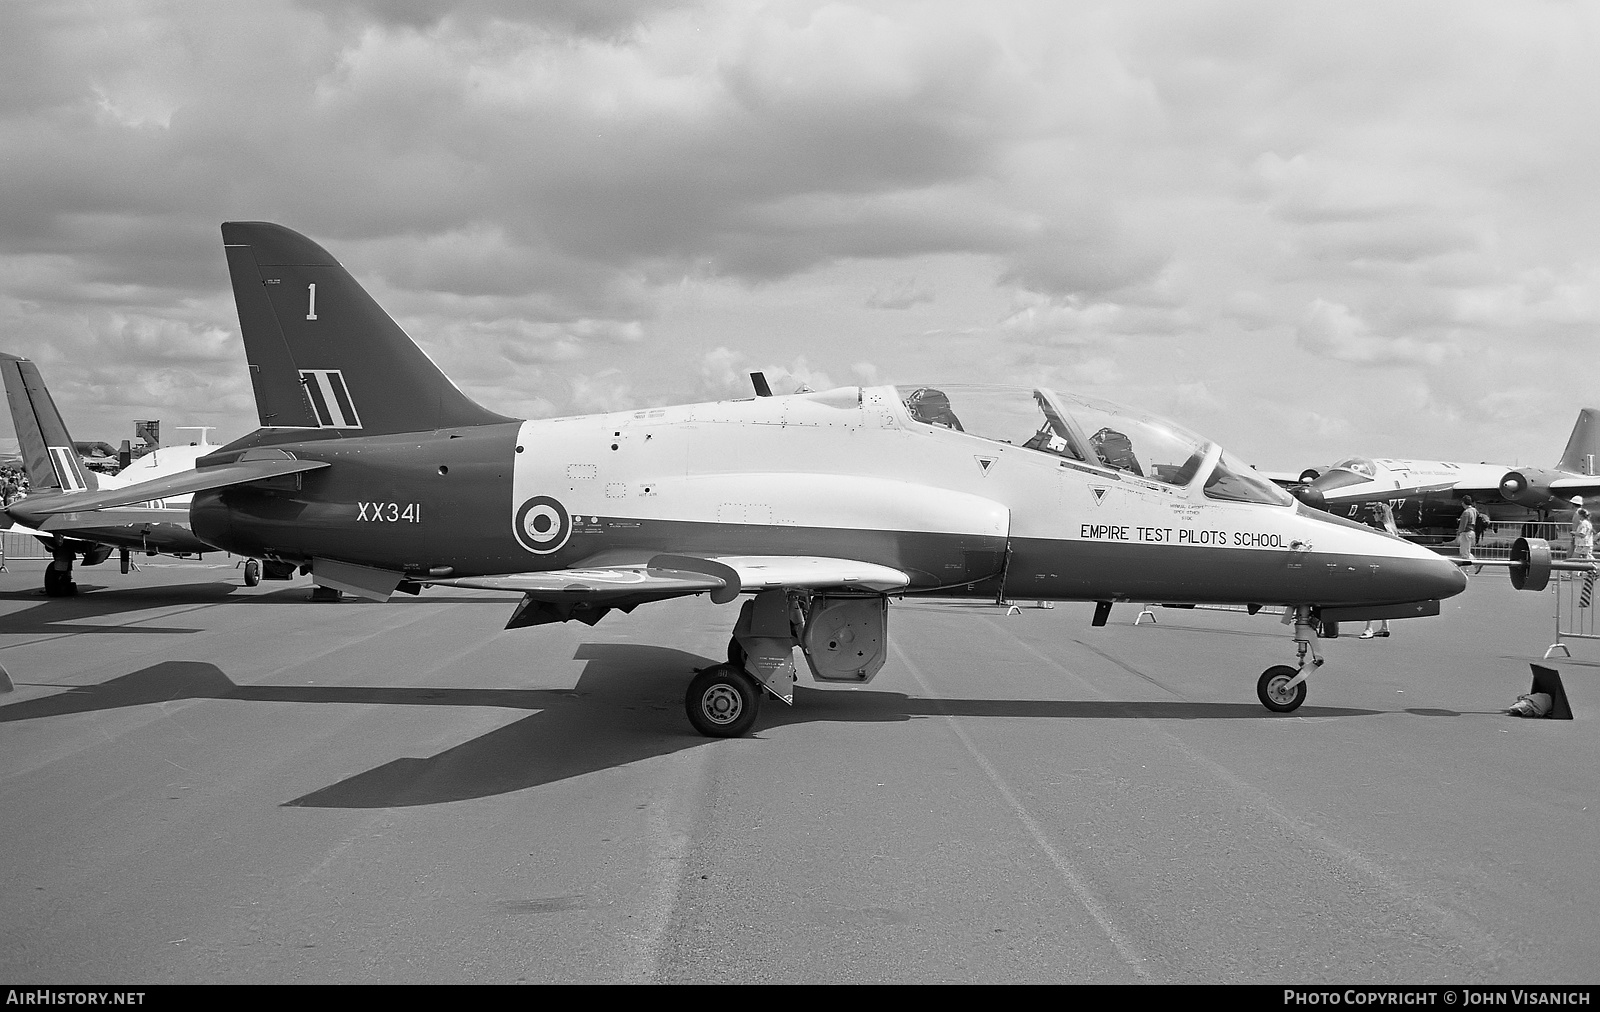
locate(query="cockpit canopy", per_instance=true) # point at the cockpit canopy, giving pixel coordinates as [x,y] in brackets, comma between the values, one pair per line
[1347,472]
[1360,465]
[1096,433]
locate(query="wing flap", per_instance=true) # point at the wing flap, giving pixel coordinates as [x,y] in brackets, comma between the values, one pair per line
[185,482]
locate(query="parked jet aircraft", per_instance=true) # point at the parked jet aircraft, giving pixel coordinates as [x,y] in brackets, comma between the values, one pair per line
[375,472]
[53,464]
[1433,488]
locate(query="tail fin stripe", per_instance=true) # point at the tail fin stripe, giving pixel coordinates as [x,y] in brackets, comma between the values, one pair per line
[330,399]
[319,402]
[65,460]
[341,395]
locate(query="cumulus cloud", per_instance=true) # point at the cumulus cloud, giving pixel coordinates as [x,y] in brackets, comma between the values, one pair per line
[902,294]
[1140,199]
[725,373]
[1330,330]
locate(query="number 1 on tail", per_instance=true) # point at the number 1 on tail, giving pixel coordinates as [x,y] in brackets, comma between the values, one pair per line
[311,302]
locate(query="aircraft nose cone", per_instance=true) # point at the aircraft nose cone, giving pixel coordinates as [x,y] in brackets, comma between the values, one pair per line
[1424,579]
[1310,495]
[1451,580]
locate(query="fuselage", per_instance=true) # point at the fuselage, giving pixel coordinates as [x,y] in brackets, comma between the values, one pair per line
[1428,493]
[161,525]
[847,473]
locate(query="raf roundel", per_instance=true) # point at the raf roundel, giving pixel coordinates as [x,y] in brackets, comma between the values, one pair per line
[542,525]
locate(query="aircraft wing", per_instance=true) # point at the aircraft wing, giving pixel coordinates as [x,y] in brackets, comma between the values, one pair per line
[587,594]
[1585,486]
[1376,491]
[201,480]
[598,585]
[763,572]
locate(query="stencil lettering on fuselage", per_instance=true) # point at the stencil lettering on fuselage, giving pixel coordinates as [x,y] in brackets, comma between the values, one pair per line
[542,525]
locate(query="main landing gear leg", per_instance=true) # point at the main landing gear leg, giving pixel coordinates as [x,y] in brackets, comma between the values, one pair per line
[723,700]
[1282,688]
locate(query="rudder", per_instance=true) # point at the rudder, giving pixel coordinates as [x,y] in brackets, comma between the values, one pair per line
[322,353]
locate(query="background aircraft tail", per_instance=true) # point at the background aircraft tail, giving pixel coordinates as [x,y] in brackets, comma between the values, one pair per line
[48,455]
[1582,455]
[322,353]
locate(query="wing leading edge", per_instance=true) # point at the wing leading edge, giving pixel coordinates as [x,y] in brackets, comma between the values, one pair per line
[587,594]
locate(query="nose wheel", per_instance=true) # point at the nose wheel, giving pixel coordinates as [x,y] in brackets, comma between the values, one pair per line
[722,702]
[1278,690]
[1282,688]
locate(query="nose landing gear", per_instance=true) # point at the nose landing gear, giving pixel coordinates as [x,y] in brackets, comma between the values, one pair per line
[1282,688]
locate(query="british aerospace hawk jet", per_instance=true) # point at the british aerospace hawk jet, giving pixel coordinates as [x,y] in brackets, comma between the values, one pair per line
[375,473]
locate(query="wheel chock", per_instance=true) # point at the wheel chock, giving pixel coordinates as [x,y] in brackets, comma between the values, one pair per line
[1548,680]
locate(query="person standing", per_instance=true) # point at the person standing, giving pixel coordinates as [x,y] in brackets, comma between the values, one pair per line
[1385,517]
[1582,535]
[1583,550]
[1381,516]
[1467,529]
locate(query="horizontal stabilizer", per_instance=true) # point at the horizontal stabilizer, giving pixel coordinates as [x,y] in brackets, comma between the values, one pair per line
[182,483]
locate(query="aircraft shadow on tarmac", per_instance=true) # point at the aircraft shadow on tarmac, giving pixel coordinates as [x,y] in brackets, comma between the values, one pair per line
[63,614]
[627,705]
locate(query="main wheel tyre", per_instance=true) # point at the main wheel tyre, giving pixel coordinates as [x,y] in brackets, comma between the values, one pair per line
[722,702]
[58,583]
[252,572]
[1274,692]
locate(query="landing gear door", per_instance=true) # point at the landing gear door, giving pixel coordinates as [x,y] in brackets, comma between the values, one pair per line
[846,638]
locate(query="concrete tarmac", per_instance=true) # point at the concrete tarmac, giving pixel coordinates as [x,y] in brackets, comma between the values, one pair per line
[202,782]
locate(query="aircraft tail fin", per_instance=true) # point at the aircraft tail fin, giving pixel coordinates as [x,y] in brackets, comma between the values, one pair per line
[48,455]
[1582,455]
[323,354]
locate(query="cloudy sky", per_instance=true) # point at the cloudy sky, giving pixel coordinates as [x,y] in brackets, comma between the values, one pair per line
[1305,230]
